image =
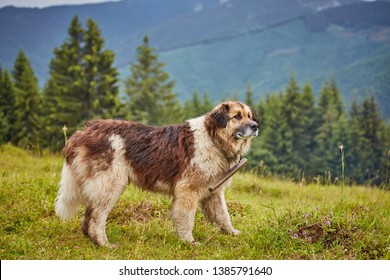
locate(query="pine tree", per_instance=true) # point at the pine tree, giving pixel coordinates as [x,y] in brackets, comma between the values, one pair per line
[249,96]
[207,104]
[331,132]
[64,90]
[269,148]
[307,121]
[7,106]
[192,107]
[101,98]
[197,106]
[355,143]
[28,123]
[372,126]
[234,96]
[82,84]
[291,130]
[367,137]
[151,97]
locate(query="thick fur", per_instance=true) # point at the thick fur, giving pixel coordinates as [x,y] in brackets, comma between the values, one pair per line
[182,161]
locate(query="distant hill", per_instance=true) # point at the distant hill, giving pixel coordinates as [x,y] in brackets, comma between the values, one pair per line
[218,46]
[357,57]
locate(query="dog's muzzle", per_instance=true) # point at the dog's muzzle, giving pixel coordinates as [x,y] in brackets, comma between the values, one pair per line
[249,130]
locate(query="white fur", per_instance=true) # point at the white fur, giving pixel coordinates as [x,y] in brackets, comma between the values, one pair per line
[68,200]
[113,179]
[207,157]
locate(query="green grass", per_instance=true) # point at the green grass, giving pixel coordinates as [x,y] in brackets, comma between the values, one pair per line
[278,220]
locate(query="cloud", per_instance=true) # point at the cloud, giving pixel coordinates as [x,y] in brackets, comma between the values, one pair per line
[198,7]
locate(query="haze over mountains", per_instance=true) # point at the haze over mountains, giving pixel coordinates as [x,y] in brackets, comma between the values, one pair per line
[218,46]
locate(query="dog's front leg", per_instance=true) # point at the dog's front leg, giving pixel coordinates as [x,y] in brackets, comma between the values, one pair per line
[183,215]
[215,209]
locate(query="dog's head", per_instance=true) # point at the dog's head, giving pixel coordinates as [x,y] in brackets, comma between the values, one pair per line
[234,121]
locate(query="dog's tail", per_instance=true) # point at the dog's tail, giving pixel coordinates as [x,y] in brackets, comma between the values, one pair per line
[68,200]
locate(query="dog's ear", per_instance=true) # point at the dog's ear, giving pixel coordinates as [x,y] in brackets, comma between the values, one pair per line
[255,117]
[219,116]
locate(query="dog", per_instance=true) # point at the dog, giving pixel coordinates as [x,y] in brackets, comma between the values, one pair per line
[180,160]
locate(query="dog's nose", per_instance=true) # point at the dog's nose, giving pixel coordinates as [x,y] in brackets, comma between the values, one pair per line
[254,126]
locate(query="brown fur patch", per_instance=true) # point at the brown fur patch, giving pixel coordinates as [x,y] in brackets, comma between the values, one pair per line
[158,153]
[94,139]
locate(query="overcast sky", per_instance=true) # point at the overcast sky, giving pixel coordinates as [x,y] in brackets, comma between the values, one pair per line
[45,3]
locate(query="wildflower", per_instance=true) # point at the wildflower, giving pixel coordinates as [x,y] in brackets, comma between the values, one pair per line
[290,231]
[304,233]
[341,147]
[295,235]
[328,223]
[66,137]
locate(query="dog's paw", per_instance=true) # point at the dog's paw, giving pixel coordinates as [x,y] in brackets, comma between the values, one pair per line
[195,243]
[112,246]
[231,231]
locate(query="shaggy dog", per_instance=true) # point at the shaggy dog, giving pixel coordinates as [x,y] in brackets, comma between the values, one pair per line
[182,161]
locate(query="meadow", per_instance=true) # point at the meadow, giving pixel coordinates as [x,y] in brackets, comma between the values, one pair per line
[279,219]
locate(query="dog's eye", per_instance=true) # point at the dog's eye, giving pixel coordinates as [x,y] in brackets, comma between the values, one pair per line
[238,117]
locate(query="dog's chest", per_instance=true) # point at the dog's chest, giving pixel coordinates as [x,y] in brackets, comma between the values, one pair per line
[207,157]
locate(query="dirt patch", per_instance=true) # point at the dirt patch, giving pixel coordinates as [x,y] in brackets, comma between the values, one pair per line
[327,228]
[311,233]
[140,212]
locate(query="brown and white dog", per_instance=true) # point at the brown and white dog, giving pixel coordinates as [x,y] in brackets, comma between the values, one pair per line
[182,161]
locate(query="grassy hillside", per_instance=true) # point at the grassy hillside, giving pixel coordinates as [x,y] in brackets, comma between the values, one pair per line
[278,220]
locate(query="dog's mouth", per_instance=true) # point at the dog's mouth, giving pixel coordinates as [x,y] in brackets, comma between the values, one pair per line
[246,133]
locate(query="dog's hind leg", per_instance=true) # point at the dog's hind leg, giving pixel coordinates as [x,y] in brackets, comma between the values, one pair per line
[215,209]
[99,204]
[94,224]
[86,220]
